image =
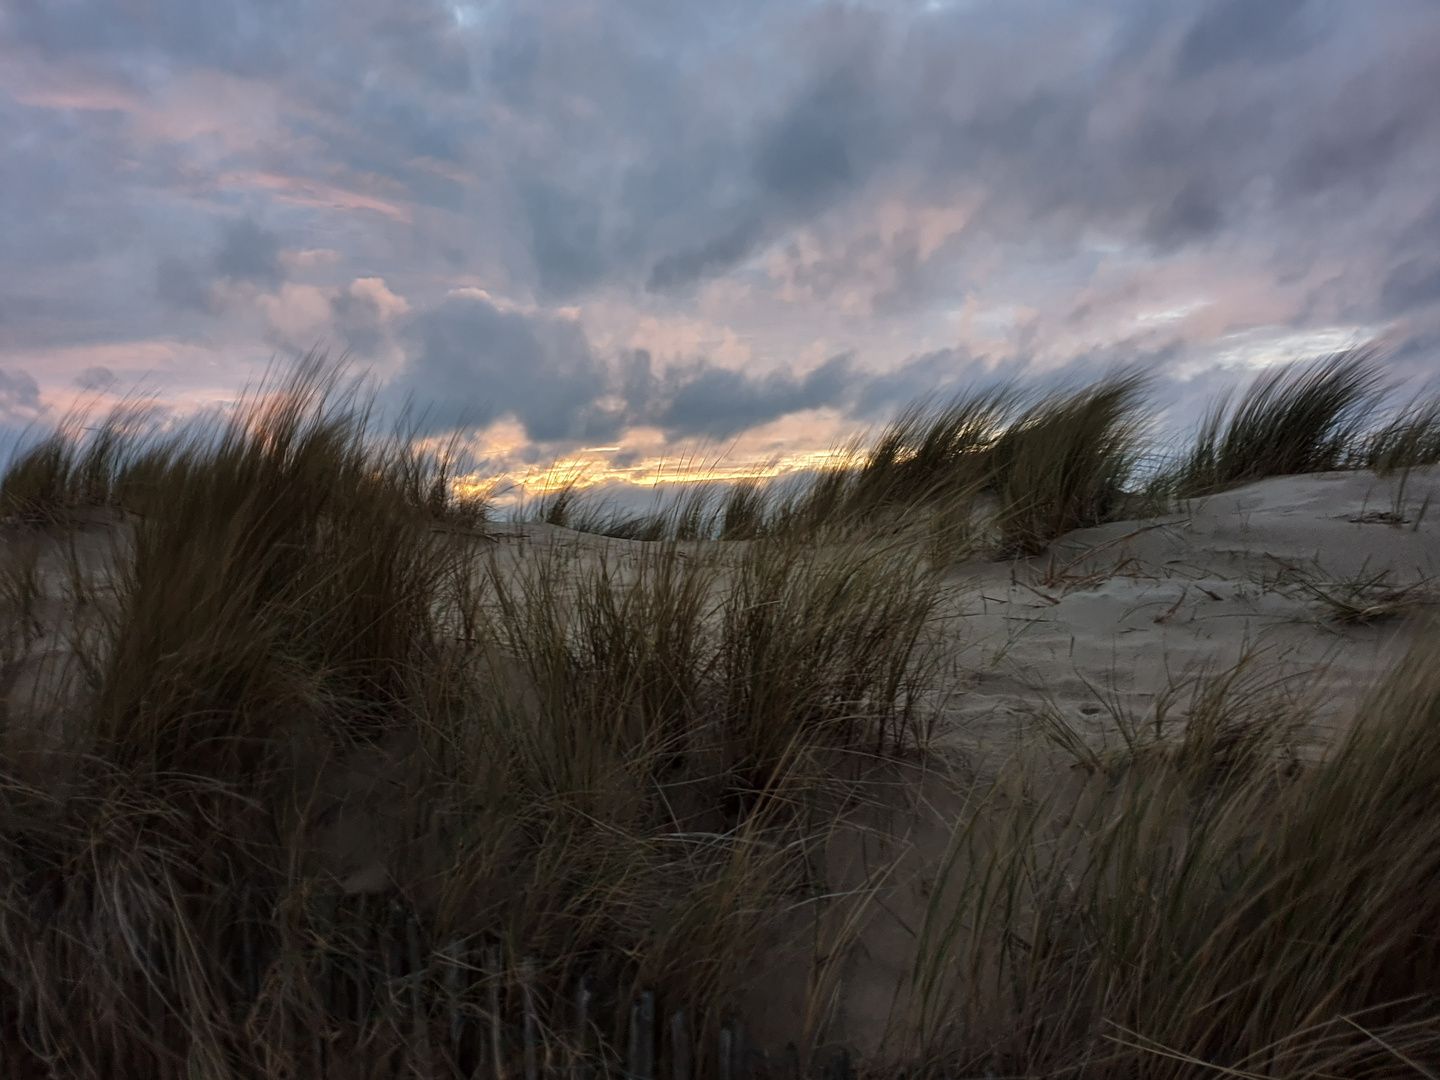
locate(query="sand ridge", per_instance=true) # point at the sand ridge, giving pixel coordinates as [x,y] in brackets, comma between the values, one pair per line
[1123,610]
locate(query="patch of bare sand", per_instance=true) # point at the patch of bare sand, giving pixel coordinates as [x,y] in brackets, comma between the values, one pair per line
[1322,578]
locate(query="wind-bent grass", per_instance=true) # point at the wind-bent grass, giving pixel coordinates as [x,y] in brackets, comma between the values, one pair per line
[1294,419]
[989,472]
[612,766]
[1159,925]
[36,485]
[1061,463]
[1410,438]
[1066,462]
[73,468]
[340,785]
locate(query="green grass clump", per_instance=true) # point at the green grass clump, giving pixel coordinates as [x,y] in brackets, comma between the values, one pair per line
[1293,419]
[1410,438]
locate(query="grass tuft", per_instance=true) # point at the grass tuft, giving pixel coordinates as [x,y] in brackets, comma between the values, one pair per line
[341,786]
[337,783]
[1409,439]
[1152,923]
[1065,463]
[1293,419]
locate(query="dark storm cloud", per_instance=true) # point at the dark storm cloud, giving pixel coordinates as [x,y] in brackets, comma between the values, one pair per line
[472,361]
[702,399]
[425,44]
[818,147]
[565,239]
[586,151]
[712,257]
[358,322]
[250,253]
[1235,30]
[822,145]
[1413,284]
[863,115]
[183,284]
[247,253]
[864,96]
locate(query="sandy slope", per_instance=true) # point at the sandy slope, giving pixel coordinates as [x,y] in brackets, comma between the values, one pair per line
[1113,615]
[1107,621]
[1110,617]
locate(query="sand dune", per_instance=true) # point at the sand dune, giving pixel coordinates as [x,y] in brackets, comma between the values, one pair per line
[1319,582]
[1273,569]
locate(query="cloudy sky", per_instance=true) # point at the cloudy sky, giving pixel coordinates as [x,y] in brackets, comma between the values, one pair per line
[650,226]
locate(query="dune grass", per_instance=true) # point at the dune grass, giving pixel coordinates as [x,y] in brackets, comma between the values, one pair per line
[549,770]
[992,472]
[1294,419]
[1056,464]
[1410,438]
[337,784]
[1153,924]
[1066,462]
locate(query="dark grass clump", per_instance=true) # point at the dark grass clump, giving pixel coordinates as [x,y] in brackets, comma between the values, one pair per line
[743,511]
[1065,463]
[76,466]
[283,562]
[1409,439]
[1295,419]
[330,782]
[930,455]
[37,483]
[335,788]
[1199,914]
[1058,464]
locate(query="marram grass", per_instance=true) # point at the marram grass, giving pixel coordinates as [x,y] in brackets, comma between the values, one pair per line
[335,784]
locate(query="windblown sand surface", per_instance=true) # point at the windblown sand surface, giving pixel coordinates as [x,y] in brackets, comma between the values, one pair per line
[1116,619]
[1323,579]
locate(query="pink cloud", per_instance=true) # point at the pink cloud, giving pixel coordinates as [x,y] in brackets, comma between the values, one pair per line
[304,191]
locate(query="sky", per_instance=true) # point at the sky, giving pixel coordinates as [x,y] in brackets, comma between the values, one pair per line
[640,232]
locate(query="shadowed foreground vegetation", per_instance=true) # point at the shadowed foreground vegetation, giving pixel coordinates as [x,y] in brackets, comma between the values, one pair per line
[313,776]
